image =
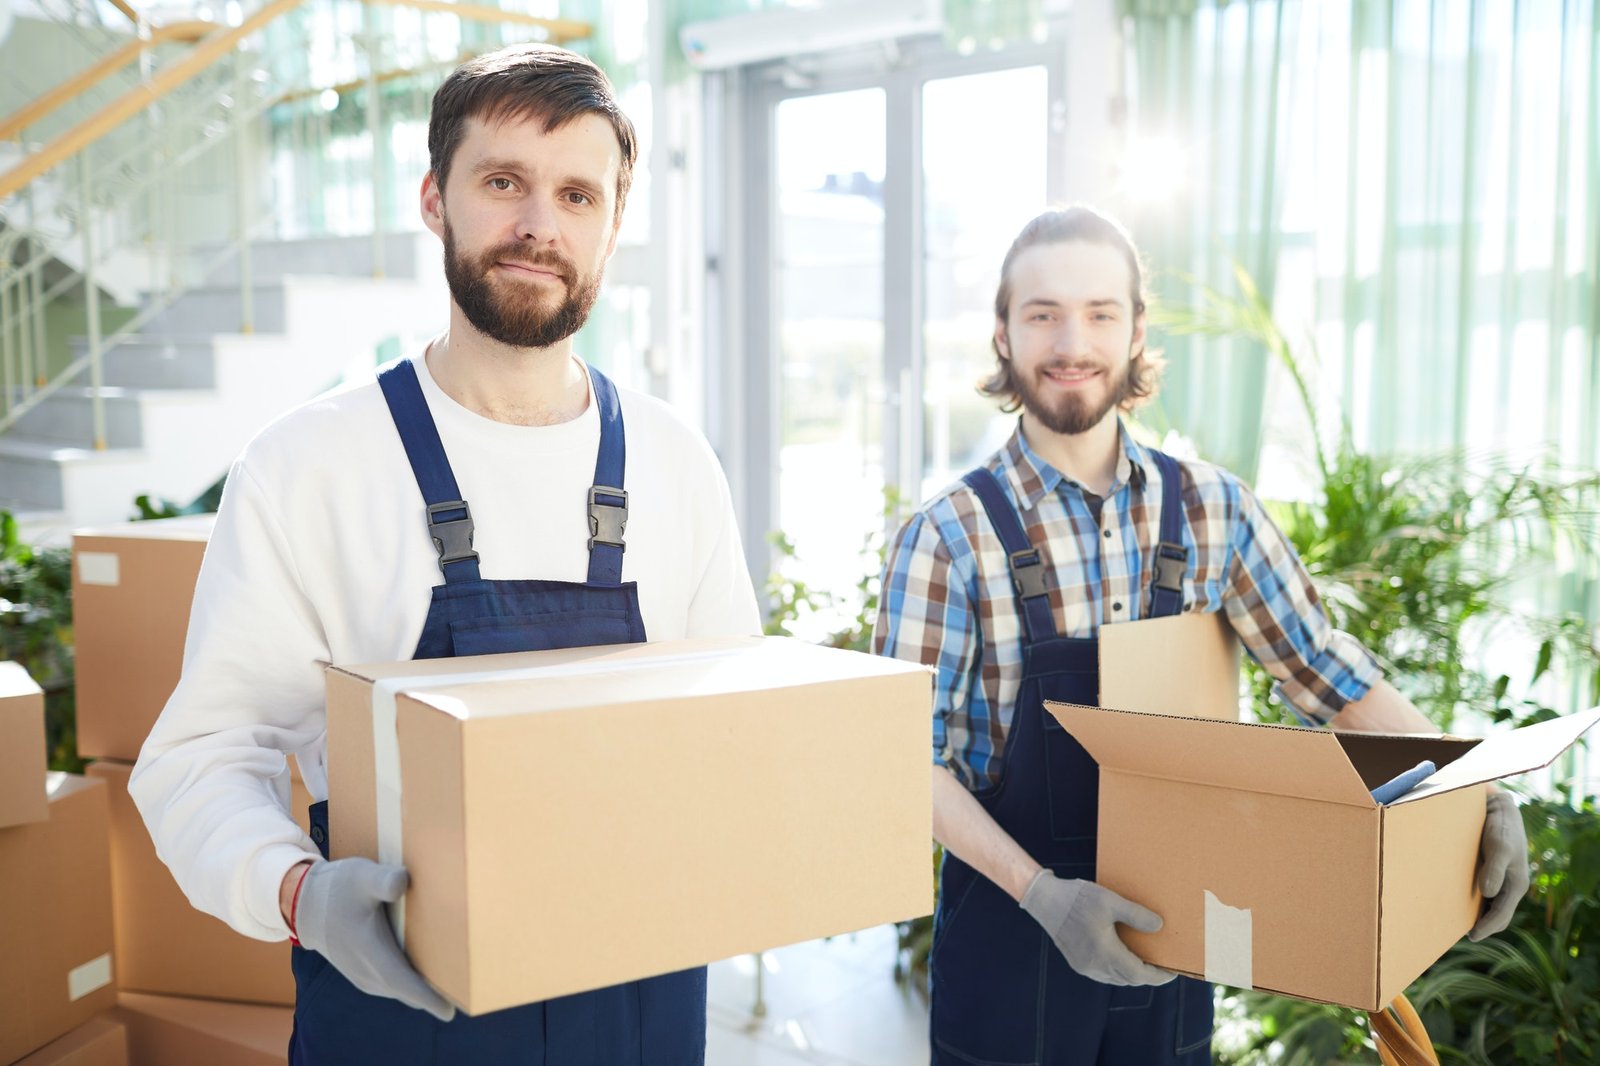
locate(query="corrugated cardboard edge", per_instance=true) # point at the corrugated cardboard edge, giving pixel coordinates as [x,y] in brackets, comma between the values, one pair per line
[434,800]
[1507,754]
[1429,897]
[1257,755]
[351,792]
[100,1041]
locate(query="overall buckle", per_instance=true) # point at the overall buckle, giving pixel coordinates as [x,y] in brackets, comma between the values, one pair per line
[1171,561]
[607,518]
[452,536]
[1027,573]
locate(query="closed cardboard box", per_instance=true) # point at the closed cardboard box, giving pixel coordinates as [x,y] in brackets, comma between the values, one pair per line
[22,754]
[100,1041]
[173,1031]
[575,819]
[1270,863]
[153,915]
[55,918]
[132,587]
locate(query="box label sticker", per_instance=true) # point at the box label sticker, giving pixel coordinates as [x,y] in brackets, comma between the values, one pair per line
[90,977]
[99,568]
[1228,944]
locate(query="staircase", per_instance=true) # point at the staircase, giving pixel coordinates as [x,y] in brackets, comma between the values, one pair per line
[185,395]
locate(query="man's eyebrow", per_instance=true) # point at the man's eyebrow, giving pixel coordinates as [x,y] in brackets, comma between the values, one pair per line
[1106,301]
[483,166]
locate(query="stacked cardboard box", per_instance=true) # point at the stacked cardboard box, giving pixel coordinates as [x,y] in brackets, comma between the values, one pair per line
[174,1031]
[152,915]
[191,989]
[55,916]
[132,587]
[100,1041]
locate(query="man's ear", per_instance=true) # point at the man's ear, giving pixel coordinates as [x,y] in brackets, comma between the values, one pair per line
[1002,344]
[432,204]
[1137,343]
[616,228]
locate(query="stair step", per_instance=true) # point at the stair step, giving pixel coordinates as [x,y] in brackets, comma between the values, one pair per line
[216,309]
[342,256]
[67,416]
[156,363]
[31,470]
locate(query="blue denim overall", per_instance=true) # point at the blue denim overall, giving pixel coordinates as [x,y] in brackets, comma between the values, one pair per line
[660,1021]
[1002,992]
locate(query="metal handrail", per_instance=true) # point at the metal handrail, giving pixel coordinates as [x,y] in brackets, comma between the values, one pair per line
[185,32]
[214,47]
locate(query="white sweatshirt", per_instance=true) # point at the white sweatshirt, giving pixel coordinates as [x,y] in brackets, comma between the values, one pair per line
[321,555]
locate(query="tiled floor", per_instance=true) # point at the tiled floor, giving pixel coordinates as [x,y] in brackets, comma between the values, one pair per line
[827,1001]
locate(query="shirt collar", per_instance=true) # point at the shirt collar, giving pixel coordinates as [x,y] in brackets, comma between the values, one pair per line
[1032,478]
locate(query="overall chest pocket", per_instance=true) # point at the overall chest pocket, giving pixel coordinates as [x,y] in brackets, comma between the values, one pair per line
[579,628]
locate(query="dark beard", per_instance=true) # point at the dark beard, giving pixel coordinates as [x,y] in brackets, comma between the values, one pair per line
[1074,416]
[518,319]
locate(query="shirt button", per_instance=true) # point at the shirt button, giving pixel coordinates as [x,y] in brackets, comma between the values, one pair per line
[1116,606]
[1108,534]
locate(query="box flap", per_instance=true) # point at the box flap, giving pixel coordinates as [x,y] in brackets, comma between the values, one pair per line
[15,681]
[1507,754]
[482,686]
[1281,760]
[183,527]
[1184,664]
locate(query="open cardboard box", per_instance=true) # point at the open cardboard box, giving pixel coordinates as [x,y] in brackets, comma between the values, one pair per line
[578,818]
[1273,868]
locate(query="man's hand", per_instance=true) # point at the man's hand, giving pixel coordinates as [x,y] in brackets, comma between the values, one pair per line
[340,914]
[1503,869]
[1081,917]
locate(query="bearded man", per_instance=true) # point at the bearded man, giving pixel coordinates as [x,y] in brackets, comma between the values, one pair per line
[1001,583]
[490,467]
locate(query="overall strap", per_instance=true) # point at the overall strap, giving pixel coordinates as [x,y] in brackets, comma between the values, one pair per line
[1172,558]
[449,519]
[1024,560]
[608,501]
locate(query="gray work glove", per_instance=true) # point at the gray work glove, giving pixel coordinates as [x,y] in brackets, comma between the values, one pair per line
[1503,867]
[1081,917]
[340,914]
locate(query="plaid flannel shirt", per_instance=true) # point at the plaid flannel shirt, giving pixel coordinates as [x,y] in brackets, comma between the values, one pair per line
[947,599]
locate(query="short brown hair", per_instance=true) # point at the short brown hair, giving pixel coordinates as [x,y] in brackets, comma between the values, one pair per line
[526,81]
[1075,223]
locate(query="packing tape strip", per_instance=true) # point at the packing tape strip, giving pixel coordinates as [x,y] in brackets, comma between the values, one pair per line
[386,737]
[1228,958]
[90,977]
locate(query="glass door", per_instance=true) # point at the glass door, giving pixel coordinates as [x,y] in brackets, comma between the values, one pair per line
[829,265]
[882,200]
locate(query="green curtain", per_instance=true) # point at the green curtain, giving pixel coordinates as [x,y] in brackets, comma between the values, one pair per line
[1416,184]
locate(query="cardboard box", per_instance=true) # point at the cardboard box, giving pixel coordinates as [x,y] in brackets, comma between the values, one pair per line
[172,1031]
[574,819]
[100,1041]
[22,754]
[1272,866]
[132,587]
[55,918]
[1184,661]
[152,915]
